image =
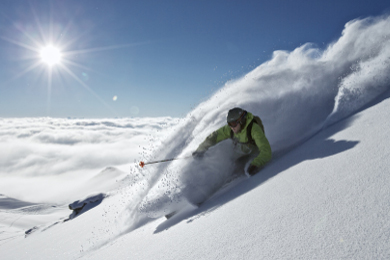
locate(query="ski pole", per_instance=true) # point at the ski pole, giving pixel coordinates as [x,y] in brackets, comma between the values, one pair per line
[142,164]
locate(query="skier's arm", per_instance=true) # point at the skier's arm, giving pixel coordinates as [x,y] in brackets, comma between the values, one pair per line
[214,138]
[262,143]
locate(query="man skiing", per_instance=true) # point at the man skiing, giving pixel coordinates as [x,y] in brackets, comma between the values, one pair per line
[249,141]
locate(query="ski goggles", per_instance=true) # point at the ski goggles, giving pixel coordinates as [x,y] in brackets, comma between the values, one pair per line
[238,121]
[234,123]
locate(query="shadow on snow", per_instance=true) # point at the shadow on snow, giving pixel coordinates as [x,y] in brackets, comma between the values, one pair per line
[320,147]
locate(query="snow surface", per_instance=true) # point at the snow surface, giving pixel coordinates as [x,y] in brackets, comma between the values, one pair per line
[325,195]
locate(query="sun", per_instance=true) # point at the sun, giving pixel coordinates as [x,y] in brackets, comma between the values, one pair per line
[50,55]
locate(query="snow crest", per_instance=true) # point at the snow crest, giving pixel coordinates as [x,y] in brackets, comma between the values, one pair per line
[296,94]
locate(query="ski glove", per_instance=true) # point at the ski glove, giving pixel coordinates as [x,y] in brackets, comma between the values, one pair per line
[252,169]
[198,155]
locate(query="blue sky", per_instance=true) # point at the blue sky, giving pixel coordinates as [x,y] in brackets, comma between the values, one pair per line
[158,58]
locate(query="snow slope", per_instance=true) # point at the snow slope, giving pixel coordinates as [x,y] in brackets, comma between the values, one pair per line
[324,196]
[327,199]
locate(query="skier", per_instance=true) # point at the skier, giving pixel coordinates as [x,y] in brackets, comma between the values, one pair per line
[249,140]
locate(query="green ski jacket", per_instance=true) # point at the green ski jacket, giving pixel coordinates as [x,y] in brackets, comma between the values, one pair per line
[260,145]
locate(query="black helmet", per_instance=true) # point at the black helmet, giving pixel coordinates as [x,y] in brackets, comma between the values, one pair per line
[236,116]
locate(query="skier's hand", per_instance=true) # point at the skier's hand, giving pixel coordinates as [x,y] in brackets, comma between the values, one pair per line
[198,155]
[252,169]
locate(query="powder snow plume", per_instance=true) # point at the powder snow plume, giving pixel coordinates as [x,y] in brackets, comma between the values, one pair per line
[296,94]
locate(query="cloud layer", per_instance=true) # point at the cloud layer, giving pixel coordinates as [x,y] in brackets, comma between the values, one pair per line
[53,154]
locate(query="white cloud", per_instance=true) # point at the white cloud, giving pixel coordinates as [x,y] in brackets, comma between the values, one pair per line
[33,147]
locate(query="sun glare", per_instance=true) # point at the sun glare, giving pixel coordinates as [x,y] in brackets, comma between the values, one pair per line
[50,55]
